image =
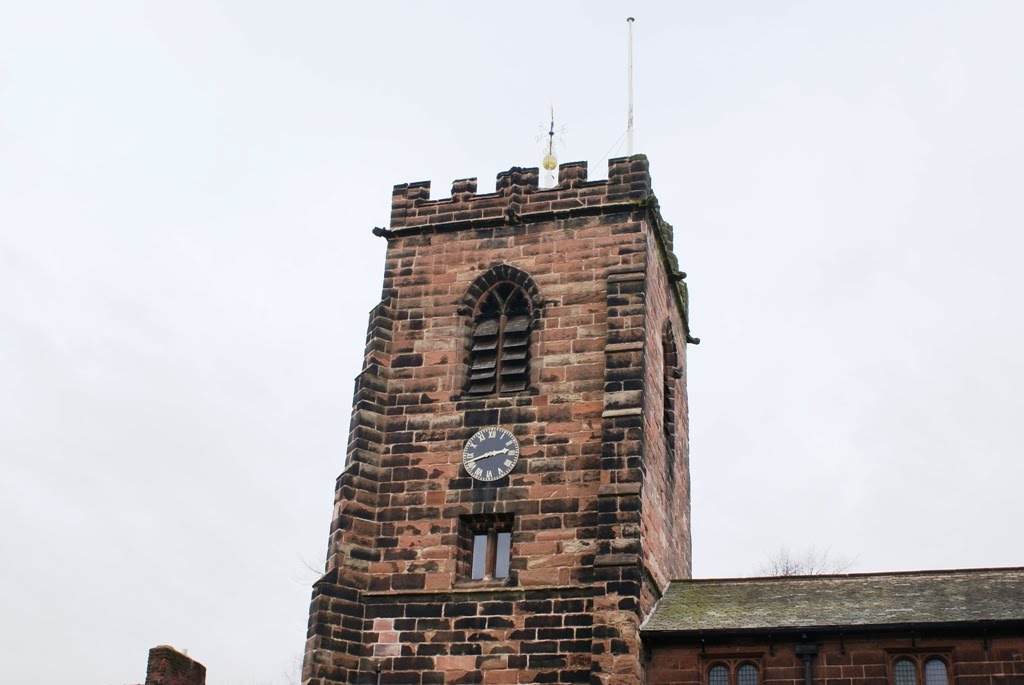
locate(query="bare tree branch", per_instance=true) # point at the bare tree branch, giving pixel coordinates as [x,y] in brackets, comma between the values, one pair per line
[810,561]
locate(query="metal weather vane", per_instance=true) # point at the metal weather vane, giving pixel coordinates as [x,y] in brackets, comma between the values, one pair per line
[550,160]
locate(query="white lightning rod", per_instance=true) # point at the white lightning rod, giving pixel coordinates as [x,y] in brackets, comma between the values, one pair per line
[629,115]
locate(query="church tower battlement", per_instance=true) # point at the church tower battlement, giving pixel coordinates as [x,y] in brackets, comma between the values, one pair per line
[516,491]
[517,190]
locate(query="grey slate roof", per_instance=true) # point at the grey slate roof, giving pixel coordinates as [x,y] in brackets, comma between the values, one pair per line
[862,599]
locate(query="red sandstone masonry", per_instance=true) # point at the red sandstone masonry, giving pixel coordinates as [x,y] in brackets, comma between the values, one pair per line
[168,666]
[666,492]
[395,595]
[973,656]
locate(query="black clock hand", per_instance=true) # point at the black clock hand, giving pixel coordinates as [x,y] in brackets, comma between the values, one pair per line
[485,455]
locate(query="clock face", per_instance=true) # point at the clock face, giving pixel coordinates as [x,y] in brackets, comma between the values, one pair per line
[490,454]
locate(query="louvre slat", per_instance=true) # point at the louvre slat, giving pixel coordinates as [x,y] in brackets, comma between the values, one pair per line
[513,384]
[487,363]
[481,388]
[514,354]
[486,327]
[482,375]
[516,340]
[513,369]
[485,344]
[517,324]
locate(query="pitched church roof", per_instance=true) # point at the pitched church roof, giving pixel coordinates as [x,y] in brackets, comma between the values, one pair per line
[853,600]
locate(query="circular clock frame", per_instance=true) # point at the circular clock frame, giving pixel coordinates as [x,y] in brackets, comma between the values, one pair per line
[490,454]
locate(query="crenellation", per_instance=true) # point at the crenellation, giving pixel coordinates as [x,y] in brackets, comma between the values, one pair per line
[463,189]
[518,197]
[572,174]
[517,180]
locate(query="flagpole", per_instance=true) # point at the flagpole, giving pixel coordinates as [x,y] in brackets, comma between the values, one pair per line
[629,116]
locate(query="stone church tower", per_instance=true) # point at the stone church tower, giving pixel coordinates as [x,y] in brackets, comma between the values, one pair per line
[516,494]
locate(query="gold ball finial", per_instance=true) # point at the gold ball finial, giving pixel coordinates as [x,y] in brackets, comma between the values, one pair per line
[550,162]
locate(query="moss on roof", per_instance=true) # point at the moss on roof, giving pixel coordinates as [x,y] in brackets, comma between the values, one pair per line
[863,599]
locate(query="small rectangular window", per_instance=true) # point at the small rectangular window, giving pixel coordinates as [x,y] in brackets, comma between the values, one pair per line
[486,547]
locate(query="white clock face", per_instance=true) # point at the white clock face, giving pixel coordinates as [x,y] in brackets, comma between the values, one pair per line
[490,454]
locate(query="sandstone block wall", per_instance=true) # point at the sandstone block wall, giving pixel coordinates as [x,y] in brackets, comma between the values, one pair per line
[168,666]
[396,602]
[973,656]
[666,492]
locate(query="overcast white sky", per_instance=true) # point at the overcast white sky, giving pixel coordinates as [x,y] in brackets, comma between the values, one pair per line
[186,196]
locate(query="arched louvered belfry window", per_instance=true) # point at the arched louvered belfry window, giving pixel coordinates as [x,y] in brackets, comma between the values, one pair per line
[500,347]
[670,371]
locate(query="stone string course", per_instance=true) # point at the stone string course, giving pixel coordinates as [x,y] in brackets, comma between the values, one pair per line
[590,497]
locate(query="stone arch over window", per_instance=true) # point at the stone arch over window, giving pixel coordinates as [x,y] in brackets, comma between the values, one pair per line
[503,305]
